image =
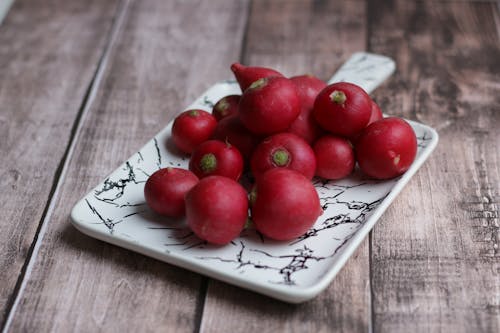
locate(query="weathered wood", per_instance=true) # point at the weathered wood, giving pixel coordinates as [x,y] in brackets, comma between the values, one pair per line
[435,256]
[49,51]
[299,37]
[167,53]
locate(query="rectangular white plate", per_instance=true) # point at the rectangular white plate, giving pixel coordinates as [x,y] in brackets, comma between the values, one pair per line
[115,212]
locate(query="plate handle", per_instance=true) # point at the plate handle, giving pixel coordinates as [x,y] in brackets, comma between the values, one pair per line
[367,70]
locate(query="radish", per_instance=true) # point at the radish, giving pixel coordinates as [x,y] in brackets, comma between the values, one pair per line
[246,75]
[217,209]
[285,204]
[343,109]
[191,128]
[214,157]
[269,105]
[165,190]
[376,113]
[308,87]
[305,126]
[283,150]
[386,148]
[230,129]
[226,106]
[334,157]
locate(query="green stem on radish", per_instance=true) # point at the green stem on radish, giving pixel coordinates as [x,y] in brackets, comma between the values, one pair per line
[208,163]
[281,157]
[338,97]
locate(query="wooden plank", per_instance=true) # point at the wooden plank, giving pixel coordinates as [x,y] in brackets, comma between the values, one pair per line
[316,40]
[435,257]
[166,53]
[299,37]
[49,51]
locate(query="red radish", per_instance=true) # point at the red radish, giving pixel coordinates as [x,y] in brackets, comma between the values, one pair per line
[283,150]
[165,190]
[214,157]
[305,126]
[226,106]
[343,109]
[246,75]
[308,87]
[217,209]
[334,157]
[191,128]
[285,204]
[386,148]
[230,129]
[269,105]
[376,113]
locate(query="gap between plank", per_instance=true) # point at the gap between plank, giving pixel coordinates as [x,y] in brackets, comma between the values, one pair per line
[244,42]
[200,303]
[371,319]
[62,168]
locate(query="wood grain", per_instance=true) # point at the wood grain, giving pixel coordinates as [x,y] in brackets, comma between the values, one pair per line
[49,51]
[167,53]
[299,37]
[435,257]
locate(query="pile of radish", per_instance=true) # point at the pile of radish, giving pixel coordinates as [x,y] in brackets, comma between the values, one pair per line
[283,131]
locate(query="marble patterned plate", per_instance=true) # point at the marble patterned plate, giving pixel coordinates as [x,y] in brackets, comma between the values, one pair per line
[295,271]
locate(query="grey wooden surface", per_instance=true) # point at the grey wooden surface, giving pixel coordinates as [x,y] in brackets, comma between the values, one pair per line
[83,85]
[49,52]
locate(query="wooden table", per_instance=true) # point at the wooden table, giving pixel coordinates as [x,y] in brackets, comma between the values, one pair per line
[84,84]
